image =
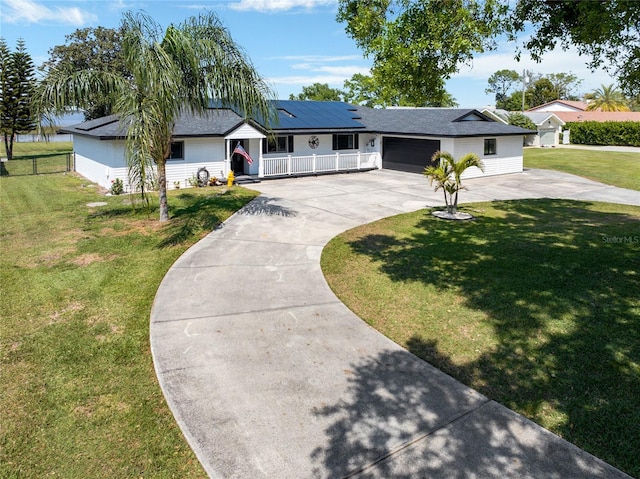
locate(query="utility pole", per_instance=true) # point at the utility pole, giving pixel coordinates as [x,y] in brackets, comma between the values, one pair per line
[525,80]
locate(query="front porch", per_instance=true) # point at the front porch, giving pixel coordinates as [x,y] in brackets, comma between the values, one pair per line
[292,165]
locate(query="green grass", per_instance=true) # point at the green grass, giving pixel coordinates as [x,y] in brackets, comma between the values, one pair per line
[79,393]
[29,149]
[534,303]
[51,158]
[620,169]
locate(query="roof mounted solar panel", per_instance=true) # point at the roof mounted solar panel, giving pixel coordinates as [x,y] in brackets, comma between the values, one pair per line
[316,115]
[97,123]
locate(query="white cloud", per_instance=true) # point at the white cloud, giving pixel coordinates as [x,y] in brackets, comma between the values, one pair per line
[333,70]
[28,11]
[334,77]
[278,5]
[556,61]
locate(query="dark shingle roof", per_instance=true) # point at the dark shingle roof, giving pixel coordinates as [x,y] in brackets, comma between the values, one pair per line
[443,122]
[316,116]
[217,123]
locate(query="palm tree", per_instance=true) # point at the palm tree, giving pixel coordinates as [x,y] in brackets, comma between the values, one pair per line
[180,70]
[440,174]
[607,98]
[446,172]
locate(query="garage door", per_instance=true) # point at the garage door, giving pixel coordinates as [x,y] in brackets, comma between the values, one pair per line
[547,137]
[408,154]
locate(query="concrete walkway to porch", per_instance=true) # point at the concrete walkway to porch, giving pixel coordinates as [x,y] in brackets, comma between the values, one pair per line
[269,375]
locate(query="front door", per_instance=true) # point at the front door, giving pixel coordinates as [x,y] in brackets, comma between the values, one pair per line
[237,160]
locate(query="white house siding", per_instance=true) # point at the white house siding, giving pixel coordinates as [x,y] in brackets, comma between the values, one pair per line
[448,144]
[508,157]
[100,161]
[198,153]
[325,147]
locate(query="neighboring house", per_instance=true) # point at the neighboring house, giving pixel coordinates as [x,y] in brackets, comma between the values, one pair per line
[572,111]
[549,126]
[560,106]
[572,116]
[549,129]
[311,137]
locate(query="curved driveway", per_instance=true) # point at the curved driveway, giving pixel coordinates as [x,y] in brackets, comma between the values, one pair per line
[269,375]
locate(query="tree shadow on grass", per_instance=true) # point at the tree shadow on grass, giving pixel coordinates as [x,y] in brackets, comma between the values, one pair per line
[206,213]
[199,214]
[542,262]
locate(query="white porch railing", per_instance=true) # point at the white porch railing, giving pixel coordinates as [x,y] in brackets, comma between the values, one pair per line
[300,165]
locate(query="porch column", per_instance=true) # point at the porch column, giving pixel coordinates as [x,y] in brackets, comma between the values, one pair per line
[227,157]
[260,161]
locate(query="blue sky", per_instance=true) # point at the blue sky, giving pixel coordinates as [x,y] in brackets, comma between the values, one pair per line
[292,43]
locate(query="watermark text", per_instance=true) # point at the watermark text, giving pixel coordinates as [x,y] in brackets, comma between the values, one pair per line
[621,239]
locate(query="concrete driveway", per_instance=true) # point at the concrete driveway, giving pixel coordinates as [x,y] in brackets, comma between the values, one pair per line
[269,375]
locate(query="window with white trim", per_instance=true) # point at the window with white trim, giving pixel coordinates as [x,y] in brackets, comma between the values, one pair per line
[278,144]
[177,151]
[345,141]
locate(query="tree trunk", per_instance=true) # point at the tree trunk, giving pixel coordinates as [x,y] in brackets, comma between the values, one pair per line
[8,146]
[162,191]
[446,201]
[454,209]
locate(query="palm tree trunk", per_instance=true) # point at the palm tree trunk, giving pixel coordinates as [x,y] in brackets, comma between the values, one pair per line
[162,191]
[454,209]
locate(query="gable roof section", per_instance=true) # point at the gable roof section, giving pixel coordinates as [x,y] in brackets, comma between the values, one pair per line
[443,122]
[540,117]
[561,105]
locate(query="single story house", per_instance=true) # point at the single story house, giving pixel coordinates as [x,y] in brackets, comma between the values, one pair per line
[311,137]
[549,126]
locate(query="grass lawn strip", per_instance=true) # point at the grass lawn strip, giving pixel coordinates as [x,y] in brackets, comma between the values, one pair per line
[80,396]
[51,158]
[614,168]
[534,303]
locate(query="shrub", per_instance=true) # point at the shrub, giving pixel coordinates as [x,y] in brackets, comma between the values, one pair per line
[523,121]
[117,187]
[618,133]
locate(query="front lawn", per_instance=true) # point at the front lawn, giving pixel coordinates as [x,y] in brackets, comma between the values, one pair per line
[534,303]
[79,394]
[37,148]
[50,158]
[610,167]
